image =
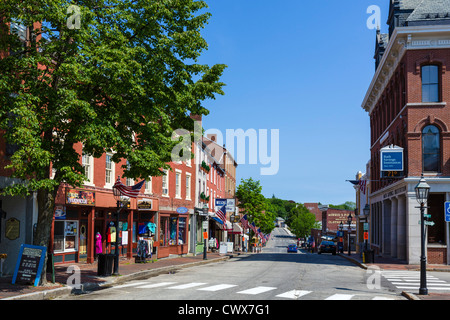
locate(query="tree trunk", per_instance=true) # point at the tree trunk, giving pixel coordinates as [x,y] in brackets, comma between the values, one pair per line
[46,203]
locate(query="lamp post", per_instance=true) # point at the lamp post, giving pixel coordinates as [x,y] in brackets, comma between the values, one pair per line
[205,240]
[422,191]
[366,212]
[117,196]
[349,220]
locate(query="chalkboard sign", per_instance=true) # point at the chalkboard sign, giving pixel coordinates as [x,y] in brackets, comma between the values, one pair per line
[29,264]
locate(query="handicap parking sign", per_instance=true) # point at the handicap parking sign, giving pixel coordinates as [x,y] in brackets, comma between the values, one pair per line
[447,211]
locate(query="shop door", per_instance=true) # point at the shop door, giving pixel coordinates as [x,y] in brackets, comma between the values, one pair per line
[83,240]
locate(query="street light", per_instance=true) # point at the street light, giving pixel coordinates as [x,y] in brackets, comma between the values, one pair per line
[422,191]
[366,212]
[117,197]
[349,220]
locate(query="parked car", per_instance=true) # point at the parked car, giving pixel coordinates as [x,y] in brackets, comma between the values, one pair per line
[327,246]
[292,248]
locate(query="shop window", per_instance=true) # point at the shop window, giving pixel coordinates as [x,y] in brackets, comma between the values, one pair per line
[163,232]
[173,231]
[430,83]
[65,236]
[431,150]
[182,231]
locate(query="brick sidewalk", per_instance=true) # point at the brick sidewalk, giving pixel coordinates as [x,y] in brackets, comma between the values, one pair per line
[128,270]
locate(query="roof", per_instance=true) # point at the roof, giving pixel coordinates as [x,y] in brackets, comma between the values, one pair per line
[431,10]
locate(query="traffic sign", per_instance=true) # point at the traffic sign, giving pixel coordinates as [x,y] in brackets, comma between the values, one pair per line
[447,211]
[428,223]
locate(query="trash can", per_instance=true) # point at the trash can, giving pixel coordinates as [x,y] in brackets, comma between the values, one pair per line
[105,264]
[369,256]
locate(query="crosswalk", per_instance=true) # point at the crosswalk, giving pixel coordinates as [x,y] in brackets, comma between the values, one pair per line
[410,280]
[248,293]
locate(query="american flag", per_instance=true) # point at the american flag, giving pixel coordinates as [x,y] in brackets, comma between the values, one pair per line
[221,213]
[244,222]
[131,192]
[362,186]
[253,227]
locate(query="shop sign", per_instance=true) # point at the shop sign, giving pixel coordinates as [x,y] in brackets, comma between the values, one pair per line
[60,212]
[80,197]
[144,204]
[229,203]
[182,210]
[12,229]
[392,159]
[29,264]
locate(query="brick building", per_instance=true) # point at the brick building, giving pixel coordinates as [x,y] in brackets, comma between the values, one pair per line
[407,104]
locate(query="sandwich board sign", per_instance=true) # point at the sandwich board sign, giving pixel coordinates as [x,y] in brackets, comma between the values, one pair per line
[29,264]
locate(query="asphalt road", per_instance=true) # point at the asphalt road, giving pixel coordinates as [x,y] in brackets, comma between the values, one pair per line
[272,274]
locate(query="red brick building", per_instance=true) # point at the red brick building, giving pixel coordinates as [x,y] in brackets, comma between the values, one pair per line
[407,104]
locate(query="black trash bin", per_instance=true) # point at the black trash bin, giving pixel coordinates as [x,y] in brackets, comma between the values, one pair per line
[105,264]
[369,256]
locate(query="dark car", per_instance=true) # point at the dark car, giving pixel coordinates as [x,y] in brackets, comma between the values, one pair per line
[327,247]
[292,248]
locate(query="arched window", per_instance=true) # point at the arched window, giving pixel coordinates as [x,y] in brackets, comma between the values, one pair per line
[430,83]
[431,149]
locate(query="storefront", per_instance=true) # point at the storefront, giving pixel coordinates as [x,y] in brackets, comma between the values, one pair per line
[173,233]
[85,221]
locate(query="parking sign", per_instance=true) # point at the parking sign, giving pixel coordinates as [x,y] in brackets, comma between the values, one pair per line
[447,211]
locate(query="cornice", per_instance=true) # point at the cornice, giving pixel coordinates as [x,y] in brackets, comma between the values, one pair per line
[403,39]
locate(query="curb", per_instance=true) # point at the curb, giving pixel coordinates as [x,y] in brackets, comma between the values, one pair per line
[110,281]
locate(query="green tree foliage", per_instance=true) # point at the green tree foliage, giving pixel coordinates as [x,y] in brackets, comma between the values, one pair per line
[122,80]
[302,221]
[255,205]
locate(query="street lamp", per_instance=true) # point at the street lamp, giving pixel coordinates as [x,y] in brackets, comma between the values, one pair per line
[349,220]
[422,191]
[117,197]
[366,212]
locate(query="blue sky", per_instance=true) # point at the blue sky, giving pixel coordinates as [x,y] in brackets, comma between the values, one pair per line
[302,67]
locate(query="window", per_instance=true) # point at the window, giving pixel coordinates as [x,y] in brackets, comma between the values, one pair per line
[129,181]
[148,185]
[177,184]
[87,163]
[109,171]
[188,186]
[431,150]
[430,83]
[165,183]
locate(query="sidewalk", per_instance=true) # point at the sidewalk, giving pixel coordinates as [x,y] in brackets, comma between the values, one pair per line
[128,270]
[387,263]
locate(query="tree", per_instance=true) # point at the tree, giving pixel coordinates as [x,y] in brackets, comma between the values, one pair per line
[121,76]
[302,221]
[255,205]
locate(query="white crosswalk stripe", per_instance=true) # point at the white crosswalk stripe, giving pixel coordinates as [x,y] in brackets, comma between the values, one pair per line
[218,287]
[410,280]
[294,294]
[256,290]
[340,297]
[204,287]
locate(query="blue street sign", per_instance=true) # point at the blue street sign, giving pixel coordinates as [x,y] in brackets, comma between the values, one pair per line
[447,211]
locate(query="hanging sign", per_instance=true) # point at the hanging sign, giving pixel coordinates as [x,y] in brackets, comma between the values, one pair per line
[391,159]
[29,264]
